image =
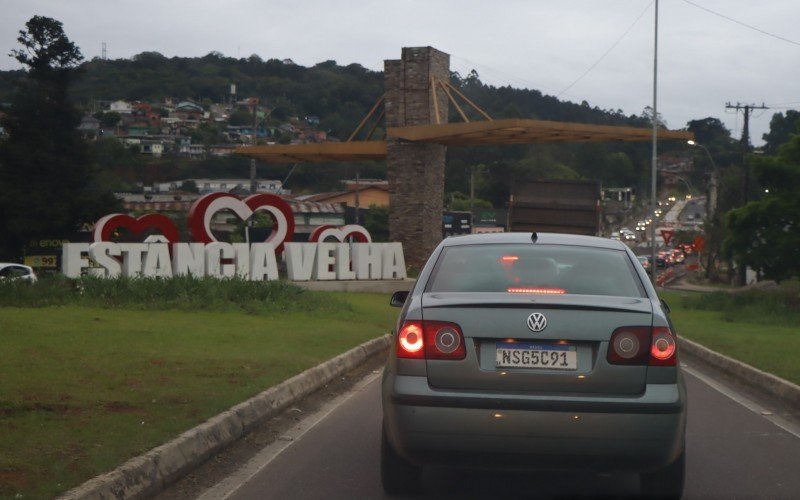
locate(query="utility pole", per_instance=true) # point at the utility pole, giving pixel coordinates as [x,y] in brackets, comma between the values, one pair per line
[253,160]
[745,150]
[358,198]
[745,141]
[471,189]
[253,186]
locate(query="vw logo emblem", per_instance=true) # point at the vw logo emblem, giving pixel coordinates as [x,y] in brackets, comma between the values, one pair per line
[537,322]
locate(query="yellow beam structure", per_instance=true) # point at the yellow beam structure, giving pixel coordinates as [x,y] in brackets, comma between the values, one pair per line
[317,152]
[483,133]
[521,131]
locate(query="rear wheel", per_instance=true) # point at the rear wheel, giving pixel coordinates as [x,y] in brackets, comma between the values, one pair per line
[398,475]
[666,482]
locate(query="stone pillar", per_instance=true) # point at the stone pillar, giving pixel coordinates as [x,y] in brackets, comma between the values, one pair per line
[415,170]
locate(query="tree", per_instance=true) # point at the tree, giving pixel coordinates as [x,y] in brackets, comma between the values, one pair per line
[647,114]
[376,221]
[45,47]
[207,134]
[765,234]
[50,186]
[241,116]
[189,186]
[109,119]
[781,129]
[708,130]
[459,202]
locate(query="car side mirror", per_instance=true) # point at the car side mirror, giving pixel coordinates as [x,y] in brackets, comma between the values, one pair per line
[398,298]
[665,306]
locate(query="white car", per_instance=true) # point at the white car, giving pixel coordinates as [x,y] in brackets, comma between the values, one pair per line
[9,271]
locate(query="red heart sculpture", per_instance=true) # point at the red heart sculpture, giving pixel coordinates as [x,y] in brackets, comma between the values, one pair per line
[106,226]
[203,209]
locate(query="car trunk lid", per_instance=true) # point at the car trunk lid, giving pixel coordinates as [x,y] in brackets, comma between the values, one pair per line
[582,324]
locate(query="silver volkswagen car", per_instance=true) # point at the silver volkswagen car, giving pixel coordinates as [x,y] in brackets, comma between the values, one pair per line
[534,351]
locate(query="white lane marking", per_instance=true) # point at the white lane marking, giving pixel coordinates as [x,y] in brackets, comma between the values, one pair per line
[228,486]
[743,400]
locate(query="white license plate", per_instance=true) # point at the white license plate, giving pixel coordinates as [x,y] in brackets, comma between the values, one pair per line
[536,355]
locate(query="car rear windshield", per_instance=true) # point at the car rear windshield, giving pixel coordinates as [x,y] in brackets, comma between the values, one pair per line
[536,269]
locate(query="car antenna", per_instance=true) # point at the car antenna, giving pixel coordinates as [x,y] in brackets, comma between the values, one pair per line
[534,236]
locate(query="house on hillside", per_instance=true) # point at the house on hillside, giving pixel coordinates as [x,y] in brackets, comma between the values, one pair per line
[192,150]
[121,107]
[188,112]
[308,215]
[89,126]
[223,185]
[674,170]
[160,203]
[220,113]
[221,150]
[152,147]
[366,194]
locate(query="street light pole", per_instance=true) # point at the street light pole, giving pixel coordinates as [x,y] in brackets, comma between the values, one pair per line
[655,152]
[712,191]
[686,183]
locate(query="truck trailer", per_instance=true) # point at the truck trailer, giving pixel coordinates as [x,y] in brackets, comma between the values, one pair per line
[557,206]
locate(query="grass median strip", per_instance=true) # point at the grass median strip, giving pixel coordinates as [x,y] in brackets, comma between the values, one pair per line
[85,388]
[761,339]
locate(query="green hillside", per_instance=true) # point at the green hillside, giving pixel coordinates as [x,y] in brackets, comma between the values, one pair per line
[340,96]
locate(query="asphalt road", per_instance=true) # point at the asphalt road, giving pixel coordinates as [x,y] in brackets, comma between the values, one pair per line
[738,446]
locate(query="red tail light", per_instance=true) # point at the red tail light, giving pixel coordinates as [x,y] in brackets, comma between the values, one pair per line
[430,340]
[409,341]
[629,345]
[663,348]
[642,345]
[444,340]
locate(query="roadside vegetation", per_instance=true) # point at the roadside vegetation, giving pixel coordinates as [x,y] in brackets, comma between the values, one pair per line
[780,306]
[96,372]
[758,327]
[185,293]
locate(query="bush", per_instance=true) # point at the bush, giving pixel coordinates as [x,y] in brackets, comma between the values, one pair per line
[778,307]
[183,293]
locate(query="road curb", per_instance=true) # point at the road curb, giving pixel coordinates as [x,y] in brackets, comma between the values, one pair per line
[785,391]
[148,474]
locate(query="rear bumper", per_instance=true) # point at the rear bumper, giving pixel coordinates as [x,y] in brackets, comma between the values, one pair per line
[429,426]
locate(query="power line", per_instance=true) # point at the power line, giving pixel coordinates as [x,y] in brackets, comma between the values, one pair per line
[778,104]
[503,75]
[607,51]
[581,77]
[762,112]
[747,110]
[740,23]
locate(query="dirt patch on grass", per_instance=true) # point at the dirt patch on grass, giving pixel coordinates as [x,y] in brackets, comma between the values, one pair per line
[11,480]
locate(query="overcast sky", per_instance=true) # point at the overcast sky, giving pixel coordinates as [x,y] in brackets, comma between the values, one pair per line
[704,60]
